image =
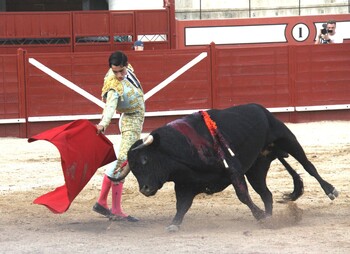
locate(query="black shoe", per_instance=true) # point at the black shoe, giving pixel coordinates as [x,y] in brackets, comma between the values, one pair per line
[101,210]
[132,219]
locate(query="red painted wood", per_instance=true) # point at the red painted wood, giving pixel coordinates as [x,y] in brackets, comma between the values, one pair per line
[74,25]
[9,95]
[35,24]
[275,76]
[21,106]
[322,77]
[257,75]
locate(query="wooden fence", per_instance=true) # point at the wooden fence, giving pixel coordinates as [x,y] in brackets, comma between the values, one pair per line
[297,83]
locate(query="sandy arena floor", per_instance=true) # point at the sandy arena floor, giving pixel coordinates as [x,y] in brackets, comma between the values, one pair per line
[215,224]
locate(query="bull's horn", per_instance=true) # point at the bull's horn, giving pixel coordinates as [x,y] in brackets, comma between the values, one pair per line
[123,172]
[146,141]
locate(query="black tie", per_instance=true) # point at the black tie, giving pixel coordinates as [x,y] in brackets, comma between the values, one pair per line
[133,80]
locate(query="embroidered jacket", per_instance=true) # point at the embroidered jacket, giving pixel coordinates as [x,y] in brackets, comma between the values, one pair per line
[124,96]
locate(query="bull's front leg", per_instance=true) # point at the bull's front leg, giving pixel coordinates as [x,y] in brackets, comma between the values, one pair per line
[240,185]
[184,199]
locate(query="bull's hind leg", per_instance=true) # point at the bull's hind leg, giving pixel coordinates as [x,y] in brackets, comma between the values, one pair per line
[292,146]
[329,189]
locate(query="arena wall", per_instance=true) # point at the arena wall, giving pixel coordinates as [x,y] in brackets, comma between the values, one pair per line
[86,31]
[296,82]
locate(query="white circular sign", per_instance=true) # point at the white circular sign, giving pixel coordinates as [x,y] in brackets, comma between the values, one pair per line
[300,32]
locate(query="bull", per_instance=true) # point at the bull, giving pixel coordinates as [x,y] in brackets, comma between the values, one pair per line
[207,151]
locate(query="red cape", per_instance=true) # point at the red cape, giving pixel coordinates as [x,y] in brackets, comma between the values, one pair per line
[82,153]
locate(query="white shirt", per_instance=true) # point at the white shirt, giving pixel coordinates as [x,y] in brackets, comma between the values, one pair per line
[336,38]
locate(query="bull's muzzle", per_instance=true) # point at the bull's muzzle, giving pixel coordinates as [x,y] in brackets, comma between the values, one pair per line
[146,142]
[145,190]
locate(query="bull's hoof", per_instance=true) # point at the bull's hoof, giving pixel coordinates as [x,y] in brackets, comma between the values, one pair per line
[172,228]
[259,215]
[290,197]
[297,193]
[334,194]
[286,197]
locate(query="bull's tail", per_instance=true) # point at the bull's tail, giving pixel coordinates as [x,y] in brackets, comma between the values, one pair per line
[297,180]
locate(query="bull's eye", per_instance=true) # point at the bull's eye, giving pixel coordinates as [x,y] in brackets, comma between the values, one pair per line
[144,160]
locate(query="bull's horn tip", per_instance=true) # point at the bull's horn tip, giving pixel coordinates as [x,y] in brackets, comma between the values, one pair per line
[148,140]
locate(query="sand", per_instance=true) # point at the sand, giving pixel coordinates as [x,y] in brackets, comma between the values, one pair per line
[215,224]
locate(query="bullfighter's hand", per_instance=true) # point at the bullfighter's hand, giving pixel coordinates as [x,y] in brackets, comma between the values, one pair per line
[119,169]
[100,129]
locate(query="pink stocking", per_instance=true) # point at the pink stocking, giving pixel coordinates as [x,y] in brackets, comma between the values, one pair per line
[117,190]
[106,186]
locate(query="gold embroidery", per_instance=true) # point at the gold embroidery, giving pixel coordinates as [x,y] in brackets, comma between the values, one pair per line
[130,93]
[112,82]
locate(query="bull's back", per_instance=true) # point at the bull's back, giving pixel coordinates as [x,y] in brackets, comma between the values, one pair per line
[246,128]
[242,123]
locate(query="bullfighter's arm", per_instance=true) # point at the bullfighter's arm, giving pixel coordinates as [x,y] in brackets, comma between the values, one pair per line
[110,108]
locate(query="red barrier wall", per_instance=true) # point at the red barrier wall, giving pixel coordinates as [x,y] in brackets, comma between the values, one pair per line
[33,26]
[10,97]
[251,75]
[85,31]
[321,77]
[298,83]
[312,79]
[321,74]
[48,97]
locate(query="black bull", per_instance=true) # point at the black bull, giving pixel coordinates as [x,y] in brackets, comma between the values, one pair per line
[199,161]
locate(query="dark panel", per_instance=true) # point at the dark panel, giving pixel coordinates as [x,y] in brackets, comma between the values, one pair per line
[43,5]
[98,5]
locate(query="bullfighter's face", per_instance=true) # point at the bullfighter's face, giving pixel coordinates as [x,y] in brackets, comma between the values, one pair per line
[119,71]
